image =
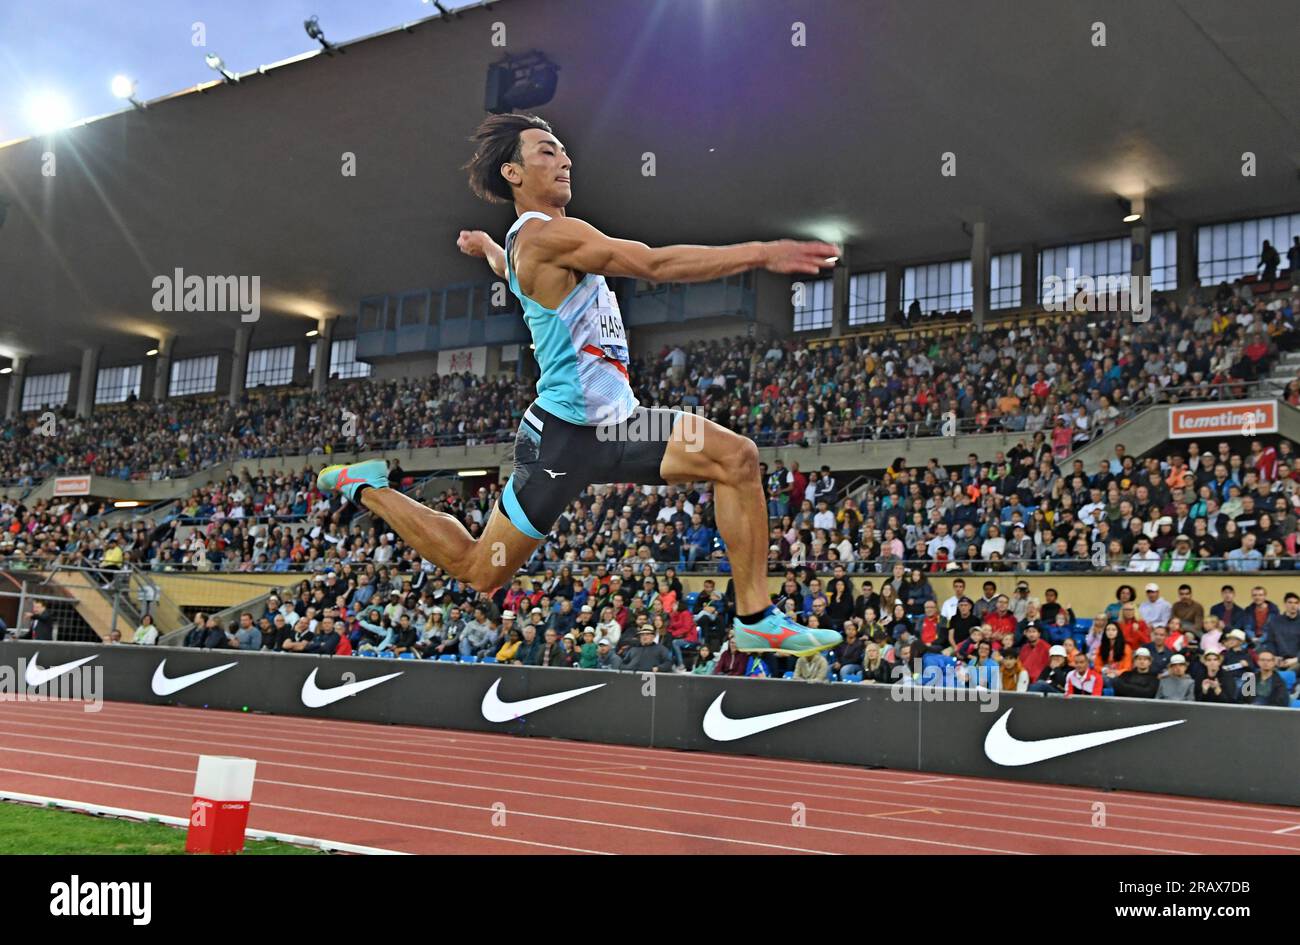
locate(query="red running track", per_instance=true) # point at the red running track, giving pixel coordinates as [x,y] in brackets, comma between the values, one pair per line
[418,790]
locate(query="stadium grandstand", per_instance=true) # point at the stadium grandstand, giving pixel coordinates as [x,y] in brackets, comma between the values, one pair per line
[1036,430]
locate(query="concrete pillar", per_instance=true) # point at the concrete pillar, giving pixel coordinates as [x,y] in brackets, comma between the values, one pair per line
[87,380]
[979,272]
[301,356]
[893,289]
[324,325]
[239,362]
[162,376]
[16,378]
[1187,275]
[1031,290]
[1140,251]
[840,294]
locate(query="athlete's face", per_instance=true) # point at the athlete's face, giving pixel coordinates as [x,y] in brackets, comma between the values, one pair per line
[543,173]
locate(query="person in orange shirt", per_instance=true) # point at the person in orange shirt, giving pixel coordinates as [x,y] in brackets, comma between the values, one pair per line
[1114,655]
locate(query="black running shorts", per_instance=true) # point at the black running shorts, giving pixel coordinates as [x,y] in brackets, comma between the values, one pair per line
[556,460]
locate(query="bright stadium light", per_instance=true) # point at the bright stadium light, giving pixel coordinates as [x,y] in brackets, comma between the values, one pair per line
[124,87]
[217,65]
[313,333]
[6,370]
[48,112]
[151,353]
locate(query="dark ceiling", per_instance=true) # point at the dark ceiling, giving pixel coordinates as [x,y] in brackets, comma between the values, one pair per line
[753,137]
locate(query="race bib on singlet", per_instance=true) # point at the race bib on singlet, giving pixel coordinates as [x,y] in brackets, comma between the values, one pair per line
[609,326]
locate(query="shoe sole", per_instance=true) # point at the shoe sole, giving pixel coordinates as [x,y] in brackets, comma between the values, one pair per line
[768,649]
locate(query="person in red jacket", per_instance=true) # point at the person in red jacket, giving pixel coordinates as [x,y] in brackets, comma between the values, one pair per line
[1000,618]
[1084,680]
[732,662]
[1135,629]
[682,624]
[1034,652]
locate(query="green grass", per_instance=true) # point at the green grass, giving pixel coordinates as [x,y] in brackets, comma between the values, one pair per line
[28,829]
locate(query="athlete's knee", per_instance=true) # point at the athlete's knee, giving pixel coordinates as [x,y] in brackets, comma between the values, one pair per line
[741,460]
[485,567]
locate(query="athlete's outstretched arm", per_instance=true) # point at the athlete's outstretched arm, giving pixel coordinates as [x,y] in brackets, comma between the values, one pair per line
[576,245]
[479,244]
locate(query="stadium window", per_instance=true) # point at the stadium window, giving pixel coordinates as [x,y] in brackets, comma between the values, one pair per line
[193,376]
[43,391]
[866,298]
[1164,260]
[269,367]
[938,287]
[1005,281]
[1228,251]
[813,307]
[343,361]
[1098,259]
[115,384]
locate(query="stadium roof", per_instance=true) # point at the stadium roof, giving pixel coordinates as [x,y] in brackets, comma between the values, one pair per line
[753,137]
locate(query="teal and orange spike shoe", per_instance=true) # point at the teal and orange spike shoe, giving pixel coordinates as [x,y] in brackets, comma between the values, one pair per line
[777,633]
[347,479]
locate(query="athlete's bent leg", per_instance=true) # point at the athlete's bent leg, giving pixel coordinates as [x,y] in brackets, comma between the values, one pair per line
[701,449]
[485,563]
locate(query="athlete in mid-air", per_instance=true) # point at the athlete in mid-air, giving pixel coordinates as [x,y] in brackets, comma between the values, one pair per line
[586,425]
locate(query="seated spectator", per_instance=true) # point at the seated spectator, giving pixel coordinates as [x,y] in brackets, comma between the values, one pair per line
[811,668]
[404,637]
[1114,658]
[705,660]
[1215,685]
[875,669]
[146,634]
[326,639]
[1281,632]
[509,650]
[247,635]
[648,656]
[1139,682]
[1015,678]
[1177,686]
[981,669]
[848,656]
[1269,687]
[732,662]
[1083,679]
[552,652]
[606,658]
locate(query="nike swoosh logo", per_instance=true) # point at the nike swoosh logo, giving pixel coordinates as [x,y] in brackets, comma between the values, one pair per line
[164,686]
[1002,748]
[35,676]
[553,474]
[722,729]
[313,697]
[497,710]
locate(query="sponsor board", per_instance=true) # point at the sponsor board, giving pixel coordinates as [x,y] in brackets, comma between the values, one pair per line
[72,485]
[1231,418]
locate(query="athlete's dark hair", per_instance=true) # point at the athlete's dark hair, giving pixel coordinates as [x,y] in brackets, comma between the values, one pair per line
[496,142]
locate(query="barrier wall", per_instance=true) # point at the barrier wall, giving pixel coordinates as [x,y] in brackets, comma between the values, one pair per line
[1232,752]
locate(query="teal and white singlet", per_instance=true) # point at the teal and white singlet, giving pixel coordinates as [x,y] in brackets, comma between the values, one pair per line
[581,348]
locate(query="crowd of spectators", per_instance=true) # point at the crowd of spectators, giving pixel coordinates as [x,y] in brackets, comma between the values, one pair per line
[895,628]
[1065,375]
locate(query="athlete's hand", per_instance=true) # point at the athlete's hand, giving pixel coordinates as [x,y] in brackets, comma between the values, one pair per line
[474,243]
[795,256]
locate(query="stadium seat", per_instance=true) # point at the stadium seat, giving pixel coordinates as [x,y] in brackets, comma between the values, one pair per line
[1107,690]
[691,598]
[387,654]
[851,678]
[369,653]
[1082,626]
[788,674]
[488,659]
[408,655]
[469,659]
[1288,677]
[447,658]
